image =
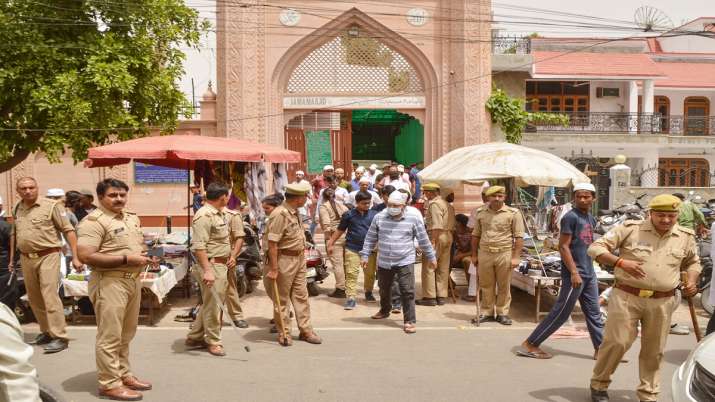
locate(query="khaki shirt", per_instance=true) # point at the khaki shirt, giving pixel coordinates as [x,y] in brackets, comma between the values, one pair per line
[112,234]
[498,228]
[211,232]
[39,227]
[437,216]
[284,228]
[329,220]
[663,257]
[235,224]
[451,218]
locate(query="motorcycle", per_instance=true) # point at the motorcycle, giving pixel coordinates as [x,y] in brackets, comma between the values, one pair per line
[248,264]
[315,262]
[608,219]
[705,279]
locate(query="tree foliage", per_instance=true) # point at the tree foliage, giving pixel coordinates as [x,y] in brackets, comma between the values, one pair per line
[513,118]
[76,73]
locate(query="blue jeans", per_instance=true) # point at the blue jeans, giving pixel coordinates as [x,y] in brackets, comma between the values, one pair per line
[587,295]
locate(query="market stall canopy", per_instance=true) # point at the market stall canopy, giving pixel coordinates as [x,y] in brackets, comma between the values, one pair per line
[180,151]
[498,160]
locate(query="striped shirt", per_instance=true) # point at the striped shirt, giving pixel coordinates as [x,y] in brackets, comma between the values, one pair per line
[394,239]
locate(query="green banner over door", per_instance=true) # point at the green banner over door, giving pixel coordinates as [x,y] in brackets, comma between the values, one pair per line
[319,151]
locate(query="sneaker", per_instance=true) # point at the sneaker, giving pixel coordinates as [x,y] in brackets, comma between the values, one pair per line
[338,294]
[370,298]
[350,304]
[677,329]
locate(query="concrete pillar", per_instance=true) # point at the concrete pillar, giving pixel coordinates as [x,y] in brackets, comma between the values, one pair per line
[208,104]
[620,175]
[650,165]
[632,105]
[648,96]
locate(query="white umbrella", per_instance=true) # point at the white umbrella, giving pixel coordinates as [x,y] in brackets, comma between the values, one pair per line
[498,160]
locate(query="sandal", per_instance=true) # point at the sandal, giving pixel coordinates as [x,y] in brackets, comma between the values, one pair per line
[410,328]
[534,355]
[217,350]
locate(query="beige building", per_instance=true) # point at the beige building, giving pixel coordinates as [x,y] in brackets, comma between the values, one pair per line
[336,81]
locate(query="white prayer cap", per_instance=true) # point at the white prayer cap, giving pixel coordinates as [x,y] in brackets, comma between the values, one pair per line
[300,172]
[401,168]
[328,167]
[364,180]
[397,198]
[373,166]
[55,192]
[584,186]
[360,169]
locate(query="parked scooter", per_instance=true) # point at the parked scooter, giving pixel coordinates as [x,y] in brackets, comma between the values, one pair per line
[608,219]
[317,270]
[249,267]
[705,280]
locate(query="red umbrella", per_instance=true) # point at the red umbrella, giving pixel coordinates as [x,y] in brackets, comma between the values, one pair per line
[180,151]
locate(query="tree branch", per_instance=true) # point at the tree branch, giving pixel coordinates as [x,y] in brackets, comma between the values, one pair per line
[19,156]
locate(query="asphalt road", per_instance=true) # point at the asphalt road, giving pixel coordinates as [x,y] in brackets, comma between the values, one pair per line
[360,363]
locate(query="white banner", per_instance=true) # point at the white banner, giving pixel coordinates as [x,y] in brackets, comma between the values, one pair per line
[354,102]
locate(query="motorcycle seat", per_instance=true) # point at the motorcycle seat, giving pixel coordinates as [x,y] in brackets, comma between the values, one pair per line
[605,211]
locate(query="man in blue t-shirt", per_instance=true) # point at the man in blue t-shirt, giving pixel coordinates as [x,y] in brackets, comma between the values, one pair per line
[356,223]
[578,279]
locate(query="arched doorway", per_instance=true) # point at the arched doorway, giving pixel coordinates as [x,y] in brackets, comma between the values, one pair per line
[352,68]
[697,111]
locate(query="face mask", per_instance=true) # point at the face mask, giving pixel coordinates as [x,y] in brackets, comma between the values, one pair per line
[394,211]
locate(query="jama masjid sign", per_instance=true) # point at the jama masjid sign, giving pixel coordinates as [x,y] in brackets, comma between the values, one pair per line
[353,102]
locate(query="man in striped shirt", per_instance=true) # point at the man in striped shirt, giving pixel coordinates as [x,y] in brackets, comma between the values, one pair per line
[393,232]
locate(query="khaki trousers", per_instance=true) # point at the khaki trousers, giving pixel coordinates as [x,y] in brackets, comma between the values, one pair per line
[116,304]
[436,283]
[494,270]
[337,263]
[233,303]
[352,272]
[42,281]
[207,325]
[292,288]
[624,312]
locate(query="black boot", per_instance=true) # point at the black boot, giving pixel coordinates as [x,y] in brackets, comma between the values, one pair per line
[338,294]
[599,396]
[57,345]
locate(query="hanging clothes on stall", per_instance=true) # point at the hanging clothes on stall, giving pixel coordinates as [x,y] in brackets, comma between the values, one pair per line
[256,176]
[280,177]
[238,185]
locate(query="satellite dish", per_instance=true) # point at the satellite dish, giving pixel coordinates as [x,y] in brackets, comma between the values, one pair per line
[650,18]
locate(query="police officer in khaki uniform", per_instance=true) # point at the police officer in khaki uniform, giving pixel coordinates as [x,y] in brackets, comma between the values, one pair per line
[329,215]
[233,303]
[112,243]
[652,254]
[497,240]
[286,266]
[211,245]
[440,226]
[39,226]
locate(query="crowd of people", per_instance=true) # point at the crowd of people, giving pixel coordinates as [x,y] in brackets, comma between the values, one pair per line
[372,222]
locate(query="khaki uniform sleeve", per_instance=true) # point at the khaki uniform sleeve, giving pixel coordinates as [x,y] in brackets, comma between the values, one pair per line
[691,262]
[202,232]
[276,227]
[90,233]
[438,217]
[477,231]
[324,218]
[237,226]
[608,242]
[517,225]
[60,219]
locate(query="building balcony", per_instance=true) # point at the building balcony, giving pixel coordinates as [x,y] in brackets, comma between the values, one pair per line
[511,45]
[630,123]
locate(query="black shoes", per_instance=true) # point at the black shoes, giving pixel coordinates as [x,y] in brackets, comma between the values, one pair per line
[503,319]
[338,294]
[484,318]
[426,302]
[441,301]
[56,345]
[599,396]
[42,339]
[240,323]
[370,298]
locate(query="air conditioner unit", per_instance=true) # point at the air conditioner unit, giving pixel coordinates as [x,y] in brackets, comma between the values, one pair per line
[607,92]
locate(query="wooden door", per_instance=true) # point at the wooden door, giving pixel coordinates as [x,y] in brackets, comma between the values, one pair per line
[662,107]
[697,110]
[342,143]
[295,141]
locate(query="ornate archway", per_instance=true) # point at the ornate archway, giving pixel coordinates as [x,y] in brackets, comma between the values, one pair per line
[355,59]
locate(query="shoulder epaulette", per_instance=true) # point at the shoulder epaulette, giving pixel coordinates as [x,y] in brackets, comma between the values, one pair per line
[631,222]
[686,230]
[94,215]
[231,211]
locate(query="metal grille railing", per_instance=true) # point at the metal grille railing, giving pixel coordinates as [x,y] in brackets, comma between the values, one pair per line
[511,45]
[640,123]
